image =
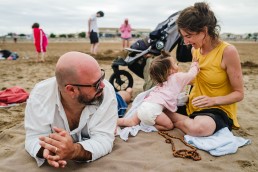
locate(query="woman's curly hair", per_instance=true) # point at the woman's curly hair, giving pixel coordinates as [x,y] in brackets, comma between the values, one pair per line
[195,18]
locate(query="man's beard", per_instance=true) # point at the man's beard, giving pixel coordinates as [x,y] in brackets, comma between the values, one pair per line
[94,101]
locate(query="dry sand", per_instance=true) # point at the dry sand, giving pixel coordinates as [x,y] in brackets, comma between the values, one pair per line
[146,151]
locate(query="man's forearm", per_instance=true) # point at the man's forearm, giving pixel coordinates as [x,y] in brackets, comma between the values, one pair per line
[80,154]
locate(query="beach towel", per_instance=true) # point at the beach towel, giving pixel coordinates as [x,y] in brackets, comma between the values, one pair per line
[13,95]
[222,142]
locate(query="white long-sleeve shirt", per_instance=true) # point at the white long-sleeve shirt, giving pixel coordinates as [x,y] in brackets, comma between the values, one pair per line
[44,111]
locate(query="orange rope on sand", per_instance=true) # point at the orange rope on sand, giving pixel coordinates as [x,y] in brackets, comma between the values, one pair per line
[183,153]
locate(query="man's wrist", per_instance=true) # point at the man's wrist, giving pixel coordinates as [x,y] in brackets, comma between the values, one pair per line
[80,154]
[76,150]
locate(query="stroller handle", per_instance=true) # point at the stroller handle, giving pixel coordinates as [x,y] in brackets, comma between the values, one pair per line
[133,50]
[130,59]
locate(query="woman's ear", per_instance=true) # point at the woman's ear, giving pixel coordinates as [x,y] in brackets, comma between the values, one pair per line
[205,30]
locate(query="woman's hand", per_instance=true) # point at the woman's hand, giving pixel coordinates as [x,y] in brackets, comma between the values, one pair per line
[203,101]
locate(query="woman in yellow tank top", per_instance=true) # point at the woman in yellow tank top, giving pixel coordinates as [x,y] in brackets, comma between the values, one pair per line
[219,84]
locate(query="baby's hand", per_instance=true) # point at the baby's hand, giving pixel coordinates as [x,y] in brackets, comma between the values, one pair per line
[195,62]
[195,59]
[182,99]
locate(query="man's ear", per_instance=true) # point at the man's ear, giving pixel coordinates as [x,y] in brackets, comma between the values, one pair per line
[71,90]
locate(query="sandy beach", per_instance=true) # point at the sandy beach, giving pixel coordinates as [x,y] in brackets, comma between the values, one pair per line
[146,151]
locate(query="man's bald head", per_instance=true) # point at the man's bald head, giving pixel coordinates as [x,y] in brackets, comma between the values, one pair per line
[72,66]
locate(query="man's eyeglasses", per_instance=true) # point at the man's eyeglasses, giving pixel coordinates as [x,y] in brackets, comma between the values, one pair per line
[96,84]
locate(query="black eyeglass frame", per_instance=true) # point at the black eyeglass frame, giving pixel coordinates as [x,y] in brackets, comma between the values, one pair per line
[96,84]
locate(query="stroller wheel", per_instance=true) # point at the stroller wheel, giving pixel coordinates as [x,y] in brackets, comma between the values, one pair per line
[121,80]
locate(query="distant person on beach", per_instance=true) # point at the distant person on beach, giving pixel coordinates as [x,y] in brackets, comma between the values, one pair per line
[40,42]
[15,37]
[6,54]
[219,85]
[126,35]
[73,115]
[93,32]
[163,97]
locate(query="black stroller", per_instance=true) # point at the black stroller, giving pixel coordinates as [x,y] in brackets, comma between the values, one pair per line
[164,37]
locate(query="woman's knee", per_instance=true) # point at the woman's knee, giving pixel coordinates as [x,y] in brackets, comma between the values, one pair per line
[200,128]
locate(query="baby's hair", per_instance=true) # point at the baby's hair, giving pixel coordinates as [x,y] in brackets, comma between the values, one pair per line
[160,68]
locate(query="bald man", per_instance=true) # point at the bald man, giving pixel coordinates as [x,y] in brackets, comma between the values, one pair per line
[73,115]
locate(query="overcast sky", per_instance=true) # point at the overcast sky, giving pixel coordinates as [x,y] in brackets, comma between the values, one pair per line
[70,16]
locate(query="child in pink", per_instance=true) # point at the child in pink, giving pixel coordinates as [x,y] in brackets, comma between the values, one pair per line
[40,42]
[125,30]
[164,71]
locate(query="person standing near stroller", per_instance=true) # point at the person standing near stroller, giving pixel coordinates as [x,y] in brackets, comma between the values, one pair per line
[163,97]
[126,35]
[219,85]
[93,31]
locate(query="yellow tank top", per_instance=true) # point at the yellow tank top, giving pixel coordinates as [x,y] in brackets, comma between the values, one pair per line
[212,81]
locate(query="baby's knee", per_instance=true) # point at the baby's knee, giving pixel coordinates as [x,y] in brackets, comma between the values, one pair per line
[170,125]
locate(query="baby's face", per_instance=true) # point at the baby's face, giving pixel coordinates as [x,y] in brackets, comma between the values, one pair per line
[174,66]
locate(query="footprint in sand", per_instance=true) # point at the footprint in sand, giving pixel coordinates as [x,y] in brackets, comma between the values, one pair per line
[244,164]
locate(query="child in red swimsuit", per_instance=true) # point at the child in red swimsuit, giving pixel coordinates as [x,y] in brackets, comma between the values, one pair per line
[40,42]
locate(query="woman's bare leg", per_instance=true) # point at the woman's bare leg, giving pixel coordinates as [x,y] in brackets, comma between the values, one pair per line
[38,57]
[123,43]
[42,57]
[127,43]
[199,126]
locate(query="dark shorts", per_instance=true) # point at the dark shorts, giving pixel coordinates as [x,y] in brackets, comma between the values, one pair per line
[121,105]
[94,38]
[126,38]
[220,118]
